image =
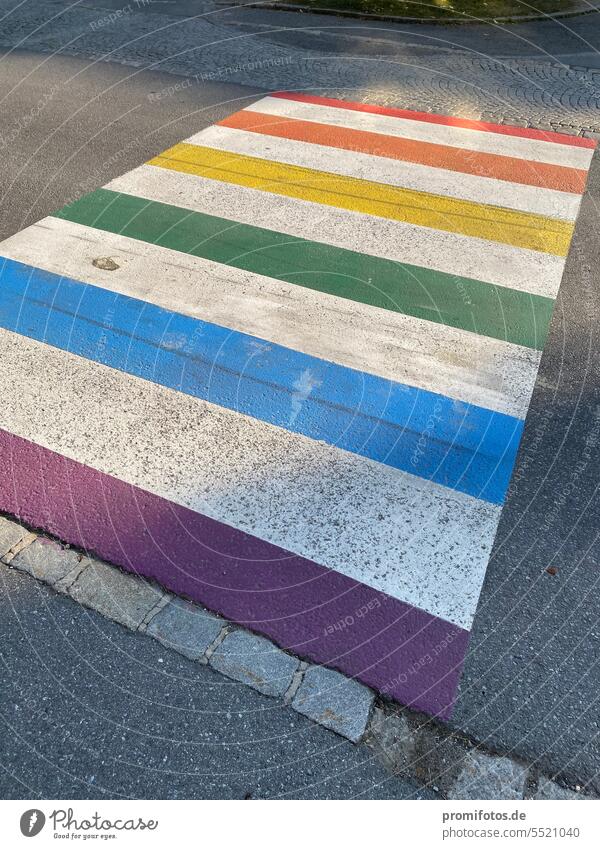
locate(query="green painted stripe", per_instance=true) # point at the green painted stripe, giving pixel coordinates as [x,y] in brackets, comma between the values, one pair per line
[518,317]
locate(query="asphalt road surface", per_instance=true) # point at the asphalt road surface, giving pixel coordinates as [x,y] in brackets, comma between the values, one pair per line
[91,710]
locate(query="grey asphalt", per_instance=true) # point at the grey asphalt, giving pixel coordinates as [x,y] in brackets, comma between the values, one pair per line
[503,71]
[531,678]
[91,710]
[69,125]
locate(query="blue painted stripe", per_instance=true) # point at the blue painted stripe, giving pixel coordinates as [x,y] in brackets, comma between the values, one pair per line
[458,445]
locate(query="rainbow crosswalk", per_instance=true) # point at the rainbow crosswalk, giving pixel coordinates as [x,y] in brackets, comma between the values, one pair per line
[283,368]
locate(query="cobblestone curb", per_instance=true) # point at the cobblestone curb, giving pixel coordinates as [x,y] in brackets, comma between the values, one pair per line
[407,743]
[582,9]
[527,91]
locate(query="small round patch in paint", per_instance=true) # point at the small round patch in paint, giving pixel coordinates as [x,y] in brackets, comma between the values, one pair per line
[106,263]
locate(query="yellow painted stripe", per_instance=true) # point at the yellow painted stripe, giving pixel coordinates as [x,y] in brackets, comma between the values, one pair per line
[521,229]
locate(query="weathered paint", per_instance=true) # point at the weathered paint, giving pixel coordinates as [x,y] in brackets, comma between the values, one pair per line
[341,510]
[486,166]
[313,611]
[466,448]
[473,305]
[356,164]
[525,142]
[277,421]
[478,370]
[524,230]
[457,255]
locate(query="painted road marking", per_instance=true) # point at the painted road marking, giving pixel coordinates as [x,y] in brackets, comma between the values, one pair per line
[313,611]
[390,344]
[501,265]
[488,167]
[474,449]
[196,454]
[298,395]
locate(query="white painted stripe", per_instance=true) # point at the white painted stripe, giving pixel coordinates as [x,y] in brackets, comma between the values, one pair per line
[392,172]
[504,145]
[414,540]
[462,365]
[465,256]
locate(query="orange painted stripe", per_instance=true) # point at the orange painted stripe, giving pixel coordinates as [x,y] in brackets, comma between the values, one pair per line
[447,120]
[480,164]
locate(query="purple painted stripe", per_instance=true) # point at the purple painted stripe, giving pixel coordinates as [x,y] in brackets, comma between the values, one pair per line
[314,612]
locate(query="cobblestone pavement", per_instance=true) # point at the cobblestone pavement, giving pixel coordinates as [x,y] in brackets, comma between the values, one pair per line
[446,69]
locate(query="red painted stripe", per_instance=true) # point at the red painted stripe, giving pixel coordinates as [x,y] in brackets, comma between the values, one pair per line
[314,612]
[492,165]
[446,120]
